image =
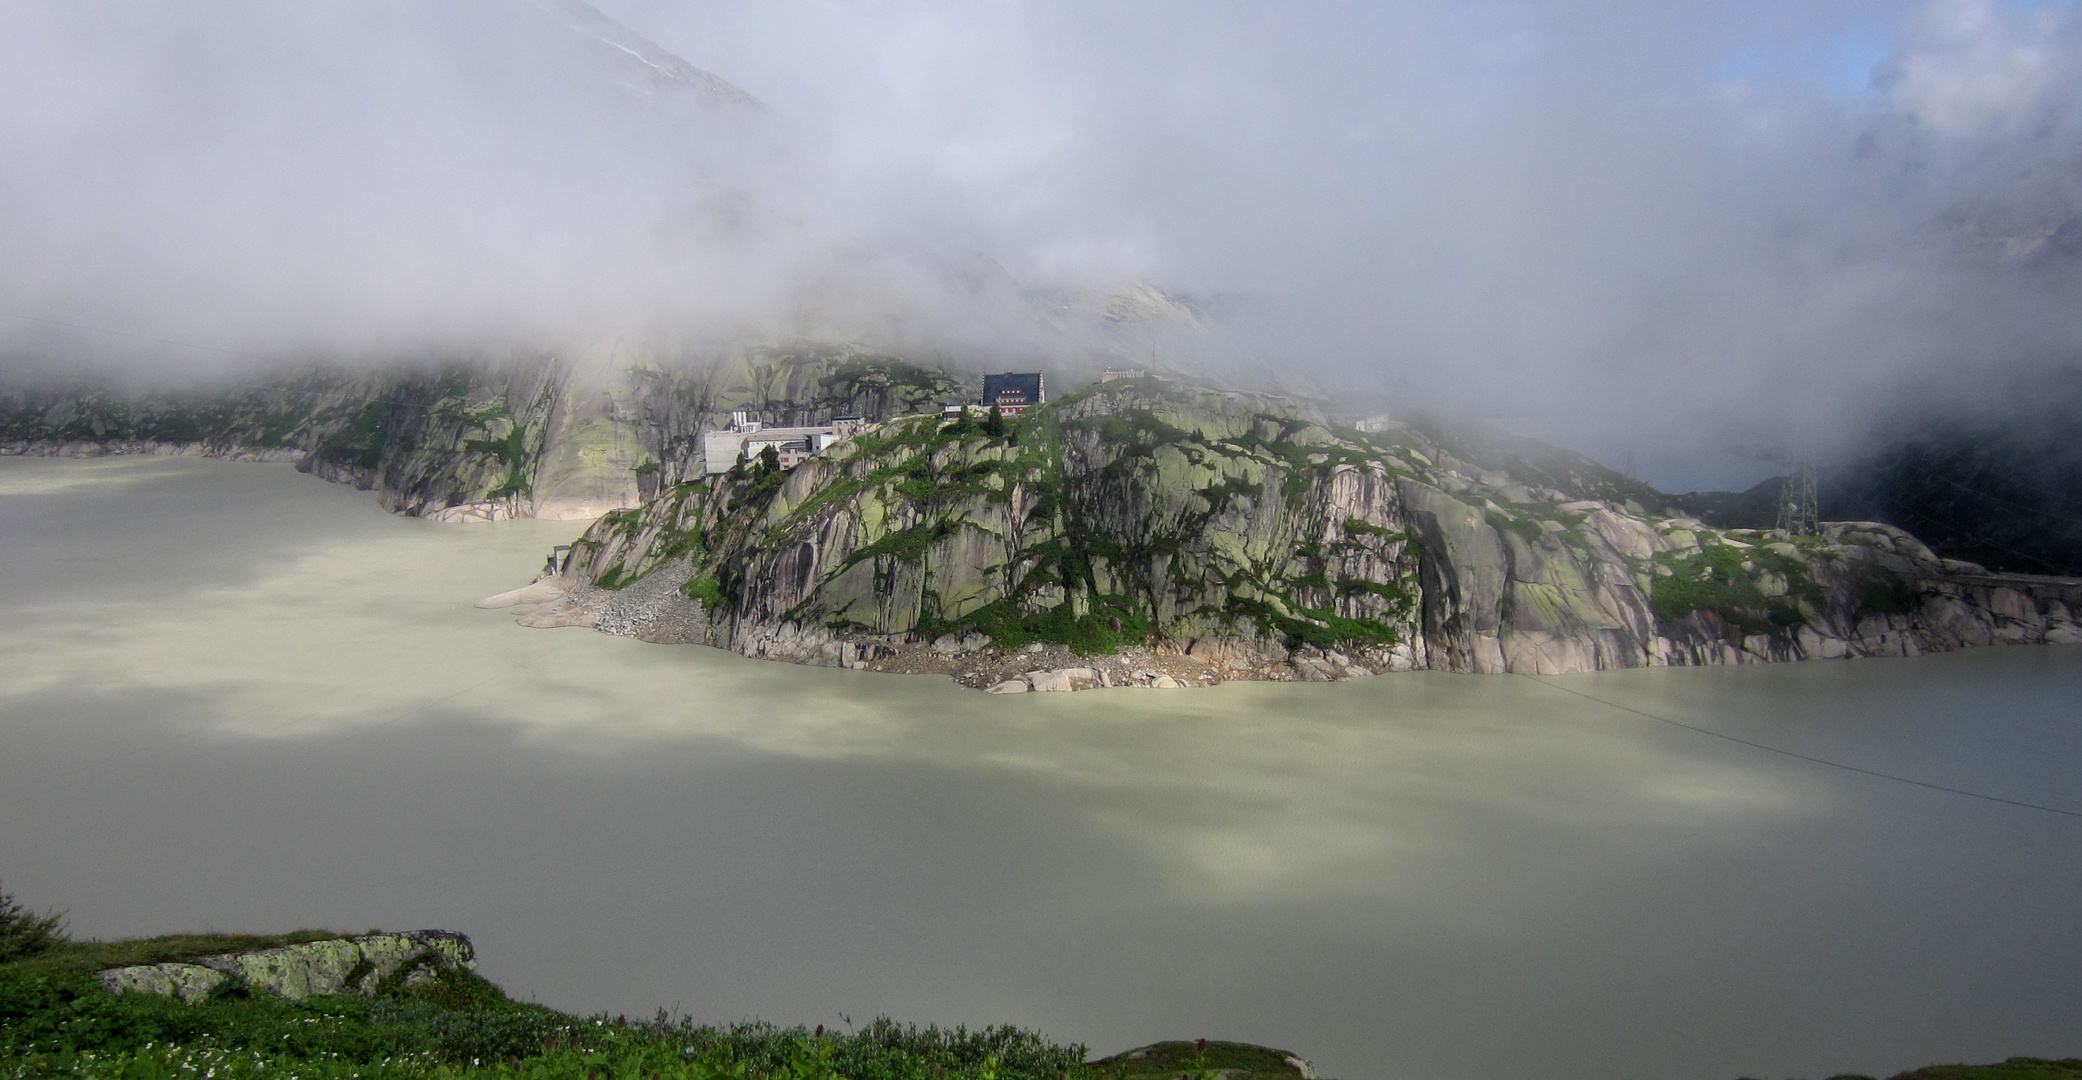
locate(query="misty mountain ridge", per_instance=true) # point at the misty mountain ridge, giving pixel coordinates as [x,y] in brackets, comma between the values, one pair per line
[847,296]
[643,66]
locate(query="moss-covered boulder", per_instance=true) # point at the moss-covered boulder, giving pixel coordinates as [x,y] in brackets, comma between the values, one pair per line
[1203,1059]
[348,965]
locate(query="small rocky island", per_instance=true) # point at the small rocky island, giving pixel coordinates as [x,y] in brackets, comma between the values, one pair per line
[1145,532]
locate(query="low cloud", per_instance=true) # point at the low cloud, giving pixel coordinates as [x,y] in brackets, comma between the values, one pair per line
[1762,221]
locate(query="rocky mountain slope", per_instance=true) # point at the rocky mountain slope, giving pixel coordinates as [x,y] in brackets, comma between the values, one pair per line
[1148,531]
[536,436]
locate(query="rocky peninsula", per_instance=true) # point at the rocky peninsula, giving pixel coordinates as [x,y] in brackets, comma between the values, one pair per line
[1150,532]
[1141,532]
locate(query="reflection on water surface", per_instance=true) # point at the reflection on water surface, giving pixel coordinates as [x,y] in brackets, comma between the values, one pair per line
[237,697]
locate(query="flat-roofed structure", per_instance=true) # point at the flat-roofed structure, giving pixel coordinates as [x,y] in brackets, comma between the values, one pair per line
[746,438]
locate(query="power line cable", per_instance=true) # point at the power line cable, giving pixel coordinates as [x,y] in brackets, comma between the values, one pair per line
[1980,493]
[1804,757]
[1930,509]
[1948,519]
[2064,519]
[340,736]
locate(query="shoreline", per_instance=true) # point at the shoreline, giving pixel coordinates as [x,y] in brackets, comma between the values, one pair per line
[973,661]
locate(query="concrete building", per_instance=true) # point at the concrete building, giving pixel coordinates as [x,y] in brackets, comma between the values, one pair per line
[747,438]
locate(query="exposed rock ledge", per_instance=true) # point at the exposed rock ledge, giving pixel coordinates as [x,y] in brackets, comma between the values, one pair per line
[355,965]
[651,614]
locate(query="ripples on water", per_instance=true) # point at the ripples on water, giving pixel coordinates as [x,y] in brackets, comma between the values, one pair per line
[236,697]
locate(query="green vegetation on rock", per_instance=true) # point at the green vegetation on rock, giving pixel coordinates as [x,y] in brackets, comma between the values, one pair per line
[1881,590]
[1016,529]
[1200,1058]
[1728,581]
[904,386]
[1149,512]
[360,441]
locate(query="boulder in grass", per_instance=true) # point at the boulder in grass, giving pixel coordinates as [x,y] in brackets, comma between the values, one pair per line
[1204,1057]
[189,982]
[356,965]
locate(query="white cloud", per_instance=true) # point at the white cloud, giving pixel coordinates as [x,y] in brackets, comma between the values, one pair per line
[1517,206]
[1973,67]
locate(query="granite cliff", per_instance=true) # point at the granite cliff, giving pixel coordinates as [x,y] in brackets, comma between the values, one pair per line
[477,439]
[1149,531]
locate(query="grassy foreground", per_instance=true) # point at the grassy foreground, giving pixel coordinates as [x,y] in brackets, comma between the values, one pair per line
[56,1020]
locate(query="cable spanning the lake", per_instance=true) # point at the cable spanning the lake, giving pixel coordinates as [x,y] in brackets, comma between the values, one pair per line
[1804,757]
[318,743]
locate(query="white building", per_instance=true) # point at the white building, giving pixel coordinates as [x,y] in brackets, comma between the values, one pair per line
[747,438]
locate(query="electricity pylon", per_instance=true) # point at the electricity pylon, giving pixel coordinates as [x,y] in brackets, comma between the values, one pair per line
[1799,510]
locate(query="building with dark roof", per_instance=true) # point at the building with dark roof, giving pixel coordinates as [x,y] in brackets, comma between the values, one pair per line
[1013,392]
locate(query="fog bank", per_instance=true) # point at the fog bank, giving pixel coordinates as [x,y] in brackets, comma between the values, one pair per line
[1754,220]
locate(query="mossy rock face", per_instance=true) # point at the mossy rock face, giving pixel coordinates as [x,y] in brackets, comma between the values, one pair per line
[188,982]
[1121,516]
[356,965]
[164,949]
[1246,527]
[1204,1059]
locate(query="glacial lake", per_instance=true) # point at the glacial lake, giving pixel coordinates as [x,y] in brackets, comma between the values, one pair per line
[238,698]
